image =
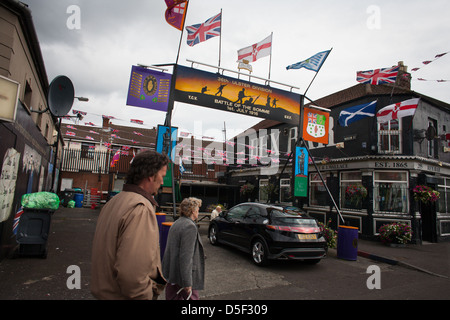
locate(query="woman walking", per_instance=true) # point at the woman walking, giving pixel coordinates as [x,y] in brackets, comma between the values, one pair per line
[184,260]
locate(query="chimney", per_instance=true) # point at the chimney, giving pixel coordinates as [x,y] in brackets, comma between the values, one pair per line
[105,123]
[403,77]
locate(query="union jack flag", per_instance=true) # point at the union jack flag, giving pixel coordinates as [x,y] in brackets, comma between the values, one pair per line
[201,32]
[378,76]
[312,117]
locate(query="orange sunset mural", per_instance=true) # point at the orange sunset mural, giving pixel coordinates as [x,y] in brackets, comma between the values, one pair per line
[217,91]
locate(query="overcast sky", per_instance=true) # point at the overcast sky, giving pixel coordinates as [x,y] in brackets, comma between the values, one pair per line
[114,35]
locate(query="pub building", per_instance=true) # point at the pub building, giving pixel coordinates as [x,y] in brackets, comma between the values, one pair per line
[371,167]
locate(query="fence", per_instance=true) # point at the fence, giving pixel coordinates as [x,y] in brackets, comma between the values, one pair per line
[100,162]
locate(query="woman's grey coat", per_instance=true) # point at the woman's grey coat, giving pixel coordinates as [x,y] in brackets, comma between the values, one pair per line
[184,260]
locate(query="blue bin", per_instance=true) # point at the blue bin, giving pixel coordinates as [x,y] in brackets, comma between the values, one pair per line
[160,218]
[78,198]
[347,243]
[165,227]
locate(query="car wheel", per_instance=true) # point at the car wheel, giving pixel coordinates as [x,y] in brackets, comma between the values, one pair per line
[259,253]
[213,235]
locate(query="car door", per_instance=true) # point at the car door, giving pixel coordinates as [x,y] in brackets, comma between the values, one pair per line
[247,226]
[235,219]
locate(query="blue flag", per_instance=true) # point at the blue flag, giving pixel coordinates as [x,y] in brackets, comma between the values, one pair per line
[314,63]
[352,114]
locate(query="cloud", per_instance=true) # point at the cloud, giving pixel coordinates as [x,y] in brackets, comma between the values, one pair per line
[114,35]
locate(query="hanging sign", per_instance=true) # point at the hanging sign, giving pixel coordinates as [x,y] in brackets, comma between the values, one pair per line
[149,89]
[315,125]
[301,172]
[214,90]
[166,144]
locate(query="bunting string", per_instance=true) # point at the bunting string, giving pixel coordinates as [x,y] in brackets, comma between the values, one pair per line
[427,62]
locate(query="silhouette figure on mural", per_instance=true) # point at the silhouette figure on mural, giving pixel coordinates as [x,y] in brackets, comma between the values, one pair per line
[268,102]
[204,89]
[220,89]
[274,103]
[241,96]
[251,102]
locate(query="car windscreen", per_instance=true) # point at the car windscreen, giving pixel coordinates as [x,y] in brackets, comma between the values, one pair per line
[290,218]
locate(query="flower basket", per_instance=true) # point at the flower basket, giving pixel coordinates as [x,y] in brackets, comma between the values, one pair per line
[247,189]
[329,234]
[355,194]
[425,194]
[395,233]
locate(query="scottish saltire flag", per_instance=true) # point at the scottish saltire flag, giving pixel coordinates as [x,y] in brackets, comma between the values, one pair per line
[378,76]
[353,114]
[314,63]
[201,32]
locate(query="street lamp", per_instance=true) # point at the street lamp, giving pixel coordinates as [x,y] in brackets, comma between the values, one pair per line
[55,184]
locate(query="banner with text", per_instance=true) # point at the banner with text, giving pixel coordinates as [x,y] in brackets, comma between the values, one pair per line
[217,91]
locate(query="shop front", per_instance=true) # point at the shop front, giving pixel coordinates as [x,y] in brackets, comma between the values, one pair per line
[375,190]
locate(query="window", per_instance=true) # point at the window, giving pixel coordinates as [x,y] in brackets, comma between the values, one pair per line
[444,197]
[87,150]
[263,184]
[352,191]
[431,144]
[285,190]
[318,195]
[390,191]
[253,151]
[238,212]
[389,137]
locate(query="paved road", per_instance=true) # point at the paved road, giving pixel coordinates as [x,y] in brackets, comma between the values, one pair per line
[230,274]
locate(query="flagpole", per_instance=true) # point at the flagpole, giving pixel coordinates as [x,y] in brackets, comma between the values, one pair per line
[317,71]
[168,121]
[270,61]
[220,37]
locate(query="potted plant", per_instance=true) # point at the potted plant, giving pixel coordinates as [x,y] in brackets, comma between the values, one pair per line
[425,194]
[395,234]
[329,234]
[356,193]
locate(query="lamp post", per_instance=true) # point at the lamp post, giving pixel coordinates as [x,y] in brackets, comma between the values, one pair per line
[55,184]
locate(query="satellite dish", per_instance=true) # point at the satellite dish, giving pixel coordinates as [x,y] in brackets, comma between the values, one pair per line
[60,96]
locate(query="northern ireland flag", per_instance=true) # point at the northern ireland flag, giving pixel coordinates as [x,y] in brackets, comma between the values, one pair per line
[256,51]
[398,110]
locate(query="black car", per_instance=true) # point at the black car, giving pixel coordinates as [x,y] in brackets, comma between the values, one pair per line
[269,232]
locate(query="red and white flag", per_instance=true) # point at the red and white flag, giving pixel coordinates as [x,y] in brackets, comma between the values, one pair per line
[256,51]
[398,110]
[137,121]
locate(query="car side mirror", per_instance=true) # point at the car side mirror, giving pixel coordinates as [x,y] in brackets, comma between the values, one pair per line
[222,214]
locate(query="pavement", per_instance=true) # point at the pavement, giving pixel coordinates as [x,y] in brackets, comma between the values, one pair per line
[65,273]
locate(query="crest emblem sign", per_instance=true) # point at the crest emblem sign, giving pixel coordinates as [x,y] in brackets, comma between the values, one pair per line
[315,125]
